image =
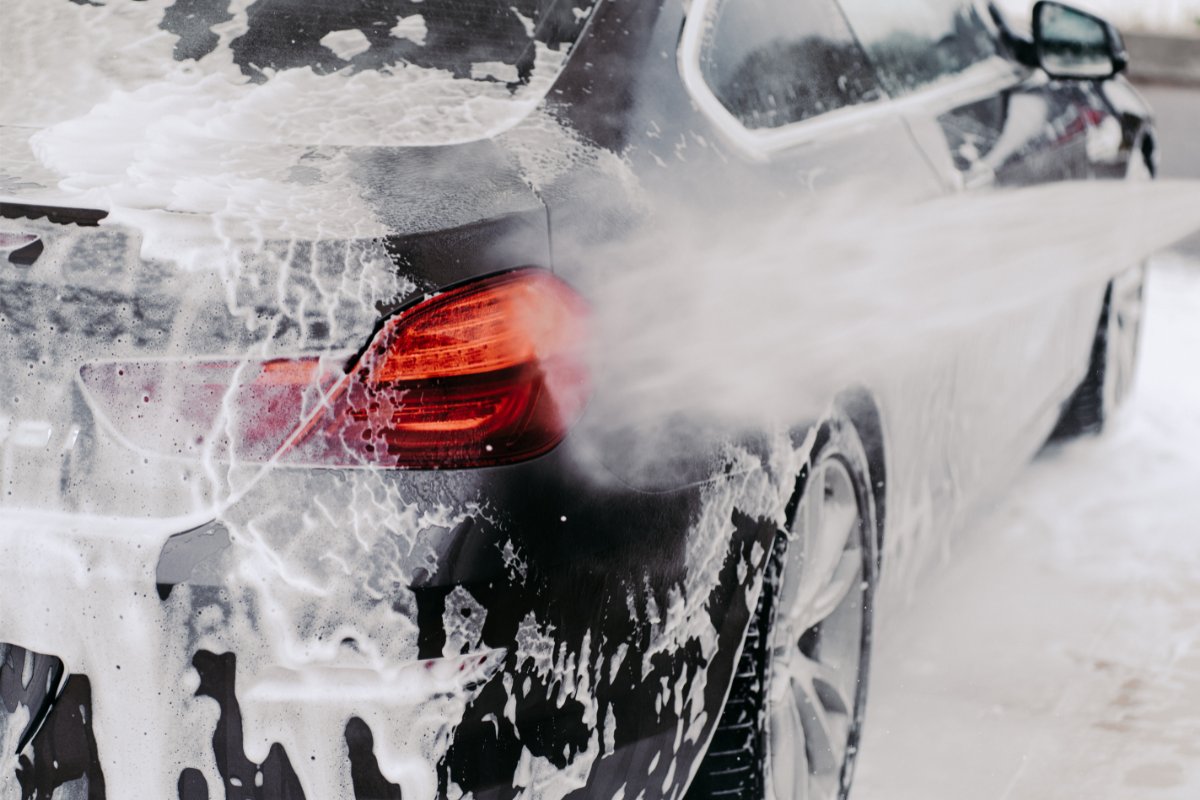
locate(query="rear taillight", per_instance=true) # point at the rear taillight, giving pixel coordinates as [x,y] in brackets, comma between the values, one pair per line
[490,372]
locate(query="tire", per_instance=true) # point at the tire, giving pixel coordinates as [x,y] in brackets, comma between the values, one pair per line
[1113,362]
[1114,358]
[792,722]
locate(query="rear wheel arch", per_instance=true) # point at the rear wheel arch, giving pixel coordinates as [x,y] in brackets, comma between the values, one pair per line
[735,761]
[862,409]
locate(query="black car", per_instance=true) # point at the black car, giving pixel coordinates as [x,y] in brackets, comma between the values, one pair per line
[309,483]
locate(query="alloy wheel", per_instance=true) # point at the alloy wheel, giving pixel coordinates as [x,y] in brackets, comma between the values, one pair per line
[1123,337]
[819,641]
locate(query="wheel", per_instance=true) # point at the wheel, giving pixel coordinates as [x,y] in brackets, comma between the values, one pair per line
[1123,337]
[1113,361]
[790,728]
[1114,358]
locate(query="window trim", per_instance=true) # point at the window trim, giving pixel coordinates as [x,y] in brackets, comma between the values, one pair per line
[991,74]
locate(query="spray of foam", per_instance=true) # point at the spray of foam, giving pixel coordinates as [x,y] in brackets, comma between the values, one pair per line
[771,318]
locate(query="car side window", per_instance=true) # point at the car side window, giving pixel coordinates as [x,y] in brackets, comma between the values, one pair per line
[775,62]
[913,43]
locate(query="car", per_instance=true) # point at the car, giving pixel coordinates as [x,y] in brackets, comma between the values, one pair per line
[312,486]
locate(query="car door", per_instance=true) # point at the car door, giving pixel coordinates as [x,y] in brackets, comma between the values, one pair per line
[984,121]
[790,83]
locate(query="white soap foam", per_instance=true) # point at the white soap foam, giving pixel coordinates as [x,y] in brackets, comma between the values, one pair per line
[122,66]
[346,44]
[412,28]
[769,319]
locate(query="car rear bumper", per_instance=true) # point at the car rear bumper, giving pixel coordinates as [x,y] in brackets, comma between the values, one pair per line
[364,634]
[126,710]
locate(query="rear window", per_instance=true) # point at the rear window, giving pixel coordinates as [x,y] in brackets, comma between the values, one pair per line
[490,40]
[301,71]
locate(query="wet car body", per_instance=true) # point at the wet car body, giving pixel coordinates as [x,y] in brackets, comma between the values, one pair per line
[562,626]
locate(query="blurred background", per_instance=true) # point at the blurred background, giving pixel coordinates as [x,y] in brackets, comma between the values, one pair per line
[1057,655]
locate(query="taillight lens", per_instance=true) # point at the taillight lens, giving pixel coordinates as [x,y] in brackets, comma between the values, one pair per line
[491,372]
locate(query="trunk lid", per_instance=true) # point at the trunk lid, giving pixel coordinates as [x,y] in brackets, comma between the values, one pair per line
[79,286]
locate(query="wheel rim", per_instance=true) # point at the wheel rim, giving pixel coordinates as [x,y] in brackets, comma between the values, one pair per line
[817,643]
[1124,334]
[1124,329]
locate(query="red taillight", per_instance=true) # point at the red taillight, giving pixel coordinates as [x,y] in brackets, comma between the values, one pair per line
[488,373]
[491,372]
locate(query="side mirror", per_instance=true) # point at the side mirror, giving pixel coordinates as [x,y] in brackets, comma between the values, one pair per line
[1076,45]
